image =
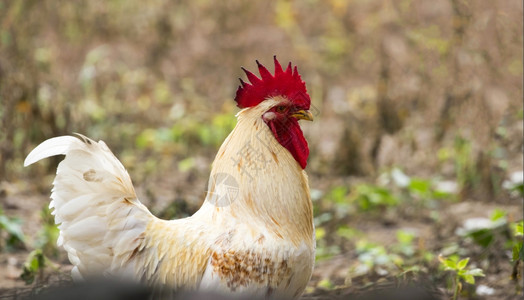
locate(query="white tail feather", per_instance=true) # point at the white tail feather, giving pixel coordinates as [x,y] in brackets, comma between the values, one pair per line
[101,220]
[51,147]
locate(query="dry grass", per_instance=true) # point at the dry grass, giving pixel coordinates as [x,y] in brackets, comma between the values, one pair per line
[432,87]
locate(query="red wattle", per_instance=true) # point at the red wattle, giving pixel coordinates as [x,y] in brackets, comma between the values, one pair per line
[290,136]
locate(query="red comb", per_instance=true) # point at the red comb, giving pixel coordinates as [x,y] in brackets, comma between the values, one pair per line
[284,83]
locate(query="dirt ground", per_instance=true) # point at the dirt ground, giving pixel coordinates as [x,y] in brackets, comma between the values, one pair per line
[433,88]
[24,200]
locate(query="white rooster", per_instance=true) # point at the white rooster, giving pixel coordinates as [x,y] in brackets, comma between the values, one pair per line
[253,235]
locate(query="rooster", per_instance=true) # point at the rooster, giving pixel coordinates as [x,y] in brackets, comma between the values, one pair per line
[253,235]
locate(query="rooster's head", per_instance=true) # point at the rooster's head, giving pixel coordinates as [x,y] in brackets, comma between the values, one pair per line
[284,100]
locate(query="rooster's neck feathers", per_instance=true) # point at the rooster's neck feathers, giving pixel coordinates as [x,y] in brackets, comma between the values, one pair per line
[270,188]
[287,84]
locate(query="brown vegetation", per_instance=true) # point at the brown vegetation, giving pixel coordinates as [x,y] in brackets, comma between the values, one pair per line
[431,87]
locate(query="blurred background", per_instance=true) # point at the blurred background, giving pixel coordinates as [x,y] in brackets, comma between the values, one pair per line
[416,147]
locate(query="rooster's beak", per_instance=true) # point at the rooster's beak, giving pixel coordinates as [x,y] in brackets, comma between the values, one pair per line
[303,115]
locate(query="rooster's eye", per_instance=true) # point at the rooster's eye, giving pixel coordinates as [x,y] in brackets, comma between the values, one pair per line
[281,108]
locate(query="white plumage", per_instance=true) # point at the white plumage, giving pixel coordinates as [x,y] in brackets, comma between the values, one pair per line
[261,243]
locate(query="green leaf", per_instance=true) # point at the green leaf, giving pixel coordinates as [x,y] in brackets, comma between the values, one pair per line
[320,233]
[483,237]
[12,226]
[518,251]
[34,262]
[469,279]
[449,264]
[405,237]
[419,186]
[498,214]
[338,194]
[462,263]
[515,252]
[369,197]
[186,164]
[518,228]
[441,194]
[325,284]
[347,232]
[477,272]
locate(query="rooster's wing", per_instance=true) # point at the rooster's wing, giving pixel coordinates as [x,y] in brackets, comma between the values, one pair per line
[105,229]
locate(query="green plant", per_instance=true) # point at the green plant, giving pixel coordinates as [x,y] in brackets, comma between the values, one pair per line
[324,251]
[370,197]
[517,248]
[338,196]
[45,245]
[373,257]
[515,184]
[326,284]
[420,189]
[517,253]
[48,234]
[34,266]
[347,232]
[430,190]
[484,231]
[13,237]
[460,272]
[405,243]
[461,154]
